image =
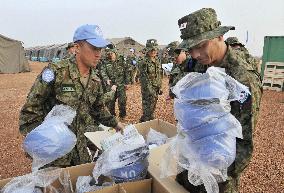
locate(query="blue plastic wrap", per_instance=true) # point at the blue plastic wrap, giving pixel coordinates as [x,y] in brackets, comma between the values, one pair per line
[206,141]
[132,172]
[126,160]
[52,139]
[191,116]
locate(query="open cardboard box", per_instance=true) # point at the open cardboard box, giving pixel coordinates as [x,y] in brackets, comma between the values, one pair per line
[153,185]
[143,186]
[165,185]
[143,128]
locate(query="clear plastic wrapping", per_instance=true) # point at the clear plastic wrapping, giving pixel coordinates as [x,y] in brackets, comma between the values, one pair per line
[155,137]
[206,141]
[46,143]
[52,139]
[126,160]
[28,183]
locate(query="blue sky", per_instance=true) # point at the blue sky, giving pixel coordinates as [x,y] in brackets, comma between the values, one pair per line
[41,22]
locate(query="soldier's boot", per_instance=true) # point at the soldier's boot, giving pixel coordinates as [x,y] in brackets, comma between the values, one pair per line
[122,115]
[141,119]
[122,110]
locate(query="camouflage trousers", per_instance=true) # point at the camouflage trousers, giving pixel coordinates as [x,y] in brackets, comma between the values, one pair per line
[134,75]
[229,186]
[122,98]
[149,102]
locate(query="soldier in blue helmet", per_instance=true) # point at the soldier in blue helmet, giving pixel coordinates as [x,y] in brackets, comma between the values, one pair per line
[72,82]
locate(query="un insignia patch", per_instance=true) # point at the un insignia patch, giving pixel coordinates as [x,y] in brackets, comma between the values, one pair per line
[243,96]
[47,75]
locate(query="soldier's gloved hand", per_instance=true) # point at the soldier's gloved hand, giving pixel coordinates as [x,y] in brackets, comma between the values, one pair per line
[113,87]
[160,92]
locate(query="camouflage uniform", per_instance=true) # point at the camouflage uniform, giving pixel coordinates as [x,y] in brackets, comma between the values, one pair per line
[150,78]
[232,41]
[131,63]
[171,47]
[116,72]
[204,26]
[69,89]
[139,60]
[179,72]
[68,54]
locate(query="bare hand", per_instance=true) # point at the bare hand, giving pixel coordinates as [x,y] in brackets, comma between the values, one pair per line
[113,87]
[119,127]
[108,82]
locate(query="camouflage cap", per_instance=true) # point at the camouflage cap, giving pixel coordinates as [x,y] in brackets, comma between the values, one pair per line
[199,26]
[70,45]
[171,47]
[111,48]
[233,41]
[151,44]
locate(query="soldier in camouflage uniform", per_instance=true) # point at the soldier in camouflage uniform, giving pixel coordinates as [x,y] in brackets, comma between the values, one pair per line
[183,64]
[150,78]
[114,72]
[203,36]
[72,82]
[171,47]
[131,63]
[235,44]
[70,50]
[140,58]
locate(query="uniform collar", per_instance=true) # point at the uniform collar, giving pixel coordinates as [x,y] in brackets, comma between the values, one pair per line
[225,61]
[73,69]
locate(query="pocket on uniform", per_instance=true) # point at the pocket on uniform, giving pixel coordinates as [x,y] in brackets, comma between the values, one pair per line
[68,98]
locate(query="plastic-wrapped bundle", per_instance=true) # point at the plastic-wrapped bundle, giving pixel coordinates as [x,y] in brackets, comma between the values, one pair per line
[125,160]
[155,137]
[214,84]
[131,172]
[27,183]
[46,143]
[206,140]
[197,114]
[84,184]
[52,139]
[201,86]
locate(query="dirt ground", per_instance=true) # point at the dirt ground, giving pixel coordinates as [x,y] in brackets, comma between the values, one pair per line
[264,174]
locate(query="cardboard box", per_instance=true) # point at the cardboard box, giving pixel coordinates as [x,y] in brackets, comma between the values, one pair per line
[165,185]
[160,185]
[143,186]
[143,128]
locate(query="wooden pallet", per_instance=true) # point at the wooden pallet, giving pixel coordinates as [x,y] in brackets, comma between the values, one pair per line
[274,69]
[273,76]
[270,83]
